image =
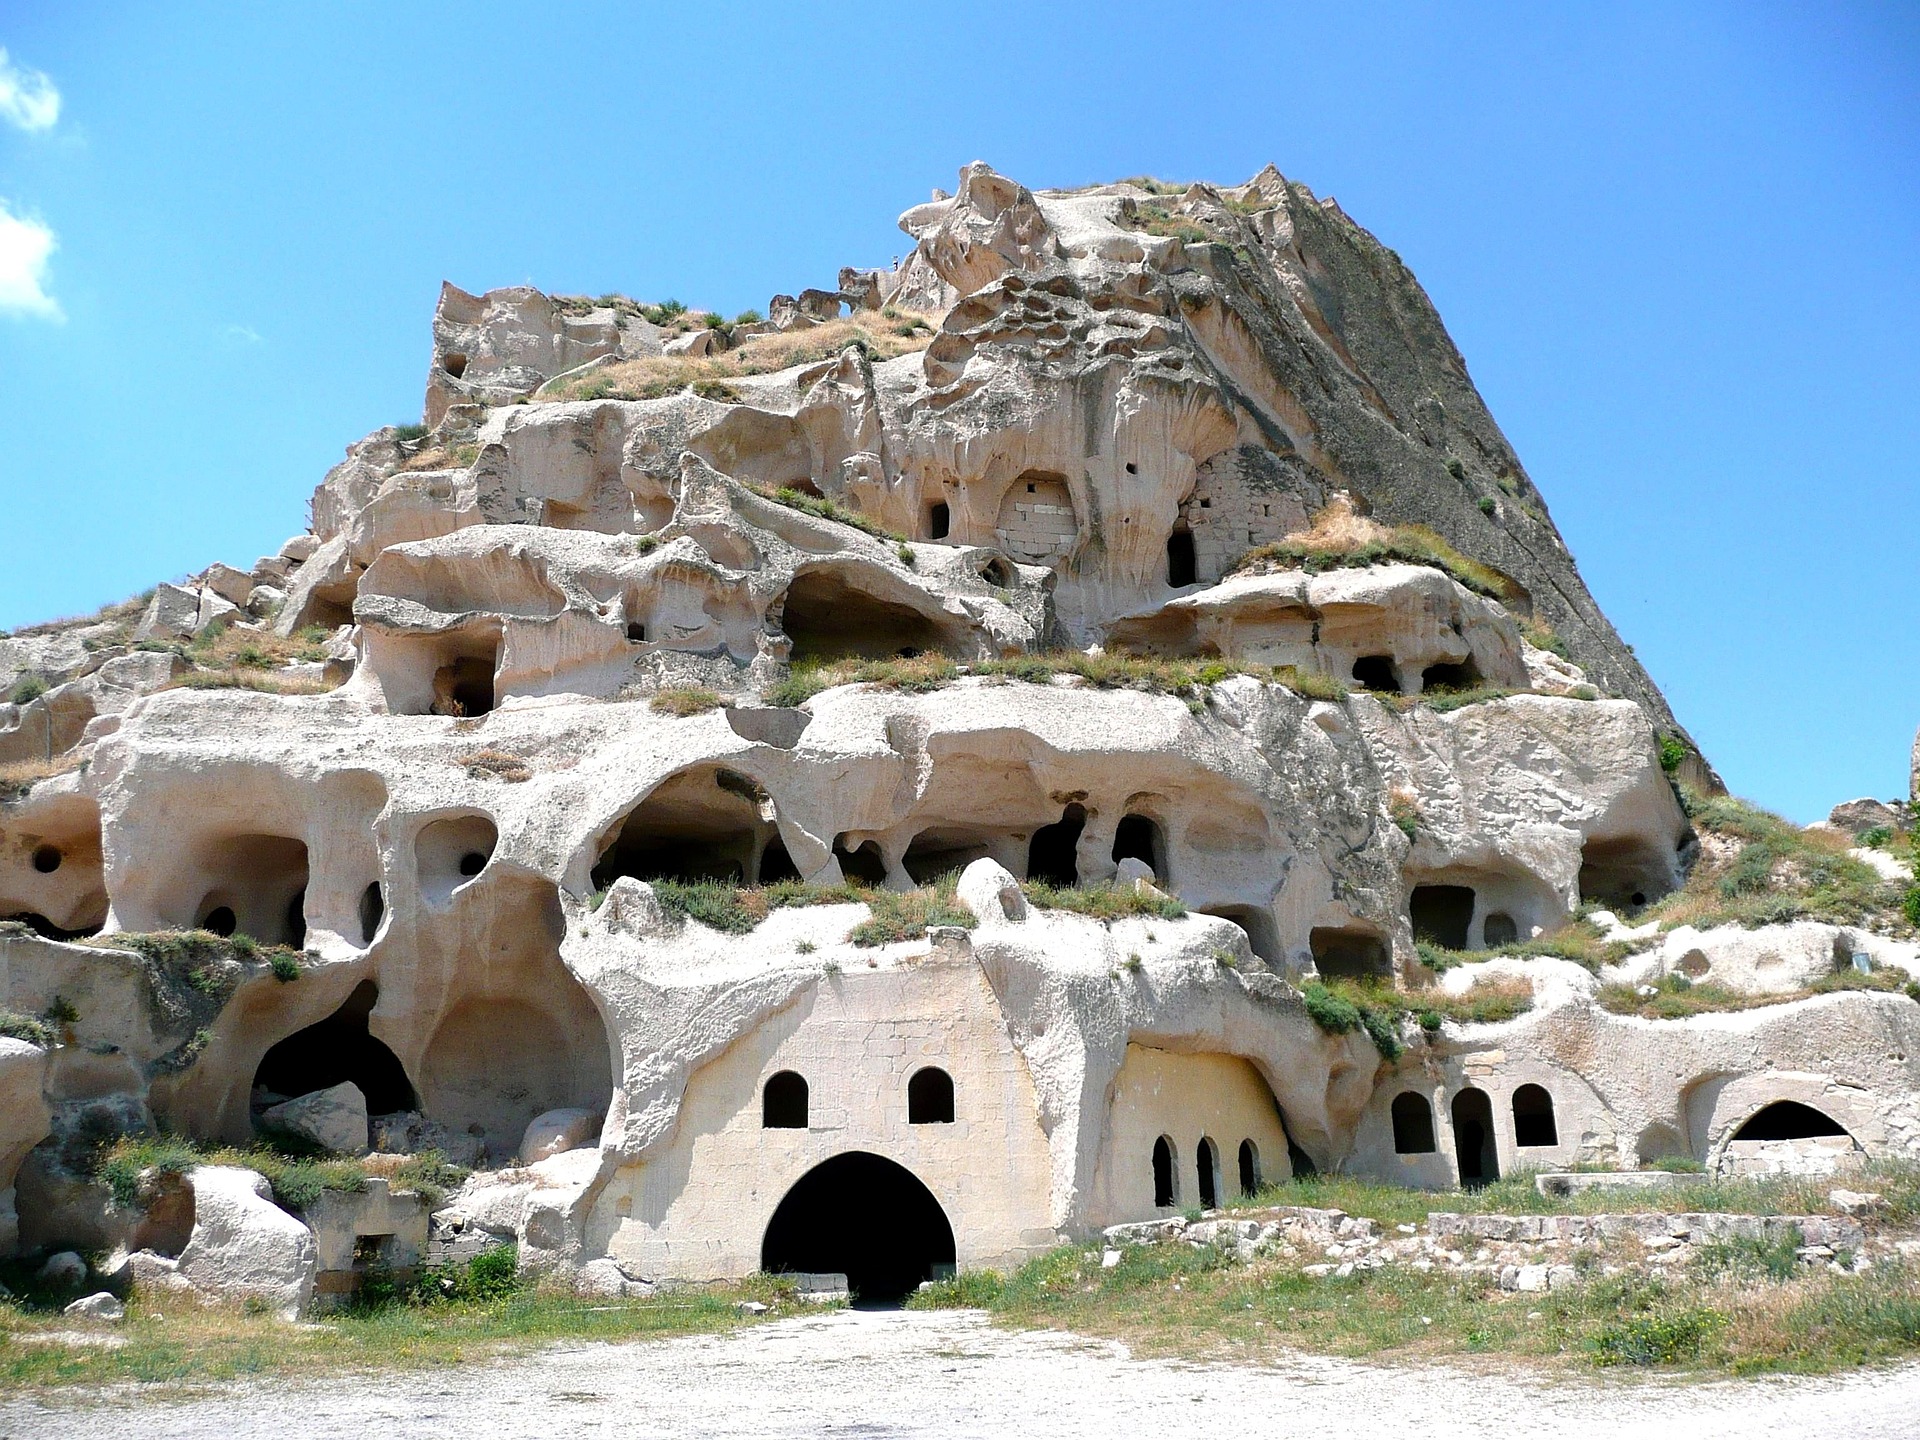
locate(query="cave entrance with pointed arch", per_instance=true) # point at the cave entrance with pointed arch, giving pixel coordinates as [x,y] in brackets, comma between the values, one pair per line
[863,1216]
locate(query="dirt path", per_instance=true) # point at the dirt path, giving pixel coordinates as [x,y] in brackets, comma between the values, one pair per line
[952,1375]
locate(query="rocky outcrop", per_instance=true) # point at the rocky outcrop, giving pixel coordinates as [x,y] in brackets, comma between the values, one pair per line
[950,725]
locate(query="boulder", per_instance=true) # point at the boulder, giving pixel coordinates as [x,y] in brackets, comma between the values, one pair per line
[64,1270]
[264,600]
[334,1118]
[299,548]
[214,606]
[558,1131]
[101,1306]
[170,614]
[704,341]
[230,584]
[1857,817]
[245,1246]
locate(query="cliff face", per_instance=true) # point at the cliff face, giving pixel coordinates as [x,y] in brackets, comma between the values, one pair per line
[613,740]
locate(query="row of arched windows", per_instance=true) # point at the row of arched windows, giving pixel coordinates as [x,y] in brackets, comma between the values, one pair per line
[783,1099]
[1473,1143]
[1206,1164]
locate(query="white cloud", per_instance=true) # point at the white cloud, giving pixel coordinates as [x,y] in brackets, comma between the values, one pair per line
[27,97]
[25,245]
[240,334]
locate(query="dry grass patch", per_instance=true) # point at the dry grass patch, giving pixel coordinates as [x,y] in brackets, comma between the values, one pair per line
[499,764]
[17,777]
[440,457]
[882,336]
[266,682]
[685,701]
[1340,538]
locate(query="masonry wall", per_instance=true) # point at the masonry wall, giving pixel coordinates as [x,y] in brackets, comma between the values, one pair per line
[1184,1097]
[698,1206]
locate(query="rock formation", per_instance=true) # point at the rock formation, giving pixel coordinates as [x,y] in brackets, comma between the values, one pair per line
[933,746]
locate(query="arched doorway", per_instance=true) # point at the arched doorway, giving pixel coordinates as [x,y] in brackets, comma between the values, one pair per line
[863,1216]
[1473,1141]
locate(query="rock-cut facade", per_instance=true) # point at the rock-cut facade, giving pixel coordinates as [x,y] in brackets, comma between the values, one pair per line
[873,789]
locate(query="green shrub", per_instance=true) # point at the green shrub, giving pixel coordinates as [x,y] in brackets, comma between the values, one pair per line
[823,509]
[1752,1257]
[1332,1013]
[430,1175]
[1673,753]
[748,317]
[1656,1339]
[1877,837]
[30,686]
[1487,505]
[407,434]
[967,1290]
[23,1027]
[896,917]
[285,968]
[1910,905]
[1103,902]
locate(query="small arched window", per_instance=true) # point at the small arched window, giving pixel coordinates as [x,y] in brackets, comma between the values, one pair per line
[783,1103]
[1249,1168]
[1412,1124]
[1533,1117]
[1207,1162]
[930,1097]
[1165,1191]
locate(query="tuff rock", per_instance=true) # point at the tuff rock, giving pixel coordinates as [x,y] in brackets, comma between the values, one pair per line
[924,746]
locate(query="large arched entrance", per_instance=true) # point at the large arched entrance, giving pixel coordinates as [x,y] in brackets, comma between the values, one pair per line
[866,1217]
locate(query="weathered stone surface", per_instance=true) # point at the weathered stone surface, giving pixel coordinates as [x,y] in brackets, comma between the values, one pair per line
[958,585]
[334,1118]
[558,1131]
[102,1306]
[245,1246]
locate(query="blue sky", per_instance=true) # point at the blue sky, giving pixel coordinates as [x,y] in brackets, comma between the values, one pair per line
[1679,248]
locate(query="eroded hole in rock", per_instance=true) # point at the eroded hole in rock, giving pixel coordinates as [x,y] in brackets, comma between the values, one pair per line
[943,850]
[1249,1168]
[1053,854]
[1182,565]
[867,1218]
[776,864]
[1449,676]
[46,859]
[258,887]
[1206,1159]
[335,1051]
[1441,914]
[783,1102]
[1165,1190]
[1533,1117]
[997,572]
[373,907]
[451,852]
[1788,1120]
[1138,837]
[708,823]
[1625,873]
[1473,1139]
[863,864]
[1349,954]
[1499,929]
[1375,672]
[930,1097]
[454,365]
[1263,936]
[828,619]
[1412,1124]
[636,632]
[464,686]
[939,520]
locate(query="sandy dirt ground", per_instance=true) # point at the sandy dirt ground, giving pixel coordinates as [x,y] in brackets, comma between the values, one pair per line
[952,1374]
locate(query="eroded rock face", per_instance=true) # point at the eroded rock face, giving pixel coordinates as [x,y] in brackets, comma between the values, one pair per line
[1020,590]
